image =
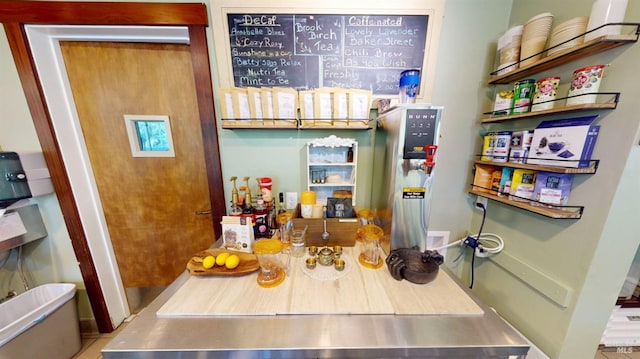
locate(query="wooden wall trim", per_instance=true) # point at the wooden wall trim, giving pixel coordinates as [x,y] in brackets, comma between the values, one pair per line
[47,137]
[103,13]
[204,90]
[15,14]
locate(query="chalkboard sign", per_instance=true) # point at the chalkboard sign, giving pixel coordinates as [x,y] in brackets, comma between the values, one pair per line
[311,51]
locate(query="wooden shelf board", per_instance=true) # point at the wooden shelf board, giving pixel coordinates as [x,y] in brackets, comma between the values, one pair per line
[260,124]
[334,124]
[580,107]
[331,185]
[597,45]
[331,164]
[586,170]
[570,213]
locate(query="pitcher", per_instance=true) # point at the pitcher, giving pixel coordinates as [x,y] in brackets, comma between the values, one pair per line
[273,260]
[370,254]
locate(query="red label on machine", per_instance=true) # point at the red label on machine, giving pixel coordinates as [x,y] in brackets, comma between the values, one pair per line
[413,192]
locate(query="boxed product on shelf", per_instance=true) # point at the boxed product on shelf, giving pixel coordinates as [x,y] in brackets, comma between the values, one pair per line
[483,177]
[502,105]
[552,188]
[520,144]
[505,181]
[522,184]
[564,143]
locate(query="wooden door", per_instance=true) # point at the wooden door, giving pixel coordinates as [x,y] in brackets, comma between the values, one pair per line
[150,203]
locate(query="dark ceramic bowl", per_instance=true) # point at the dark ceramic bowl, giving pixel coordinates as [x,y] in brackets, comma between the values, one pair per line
[413,265]
[556,146]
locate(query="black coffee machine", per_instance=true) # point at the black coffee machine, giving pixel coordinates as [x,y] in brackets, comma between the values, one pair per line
[13,180]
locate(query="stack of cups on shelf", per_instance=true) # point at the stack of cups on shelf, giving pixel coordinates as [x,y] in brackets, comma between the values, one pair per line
[509,49]
[307,201]
[566,35]
[605,12]
[534,37]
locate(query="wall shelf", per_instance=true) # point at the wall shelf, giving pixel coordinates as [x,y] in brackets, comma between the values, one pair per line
[332,165]
[294,124]
[593,167]
[597,45]
[271,124]
[610,103]
[556,212]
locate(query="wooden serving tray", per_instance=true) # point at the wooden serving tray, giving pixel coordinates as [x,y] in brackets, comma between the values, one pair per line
[248,263]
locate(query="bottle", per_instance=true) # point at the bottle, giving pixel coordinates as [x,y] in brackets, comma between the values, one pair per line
[350,154]
[281,203]
[247,209]
[261,229]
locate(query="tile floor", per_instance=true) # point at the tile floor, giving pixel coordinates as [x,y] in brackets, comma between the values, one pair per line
[92,344]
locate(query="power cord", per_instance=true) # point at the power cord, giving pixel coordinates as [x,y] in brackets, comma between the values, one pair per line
[474,242]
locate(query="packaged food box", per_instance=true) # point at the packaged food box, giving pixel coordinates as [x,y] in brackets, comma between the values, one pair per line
[522,184]
[552,188]
[564,143]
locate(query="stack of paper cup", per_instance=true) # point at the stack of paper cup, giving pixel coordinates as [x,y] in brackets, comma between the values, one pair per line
[509,49]
[566,35]
[605,12]
[307,200]
[534,37]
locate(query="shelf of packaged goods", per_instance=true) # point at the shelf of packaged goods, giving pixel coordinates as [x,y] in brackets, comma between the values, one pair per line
[597,45]
[556,212]
[593,167]
[610,104]
[259,124]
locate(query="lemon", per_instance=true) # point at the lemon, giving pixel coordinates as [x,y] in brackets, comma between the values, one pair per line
[208,262]
[232,261]
[222,258]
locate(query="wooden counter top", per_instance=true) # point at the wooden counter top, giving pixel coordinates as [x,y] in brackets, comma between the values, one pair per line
[359,291]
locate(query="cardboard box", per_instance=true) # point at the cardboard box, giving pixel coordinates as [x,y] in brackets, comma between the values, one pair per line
[564,143]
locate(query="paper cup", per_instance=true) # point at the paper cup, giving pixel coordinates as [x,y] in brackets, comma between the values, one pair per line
[585,80]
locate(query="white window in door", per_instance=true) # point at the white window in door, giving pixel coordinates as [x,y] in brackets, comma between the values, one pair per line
[149,135]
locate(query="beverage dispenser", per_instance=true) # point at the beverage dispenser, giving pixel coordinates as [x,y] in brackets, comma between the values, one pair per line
[405,145]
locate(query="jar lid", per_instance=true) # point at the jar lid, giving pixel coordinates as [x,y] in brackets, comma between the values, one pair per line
[267,246]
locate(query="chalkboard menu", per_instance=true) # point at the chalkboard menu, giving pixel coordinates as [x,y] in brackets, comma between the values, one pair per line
[311,51]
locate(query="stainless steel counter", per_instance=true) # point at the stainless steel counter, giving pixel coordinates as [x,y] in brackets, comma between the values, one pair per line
[315,336]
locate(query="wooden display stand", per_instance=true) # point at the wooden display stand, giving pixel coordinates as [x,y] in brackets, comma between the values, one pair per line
[342,231]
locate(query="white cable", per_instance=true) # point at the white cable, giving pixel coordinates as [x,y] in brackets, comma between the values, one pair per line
[448,245]
[497,243]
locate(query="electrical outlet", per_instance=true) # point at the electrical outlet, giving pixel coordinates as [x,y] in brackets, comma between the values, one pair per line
[482,200]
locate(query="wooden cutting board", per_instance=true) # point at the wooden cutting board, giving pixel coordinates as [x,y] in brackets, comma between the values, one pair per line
[359,291]
[248,263]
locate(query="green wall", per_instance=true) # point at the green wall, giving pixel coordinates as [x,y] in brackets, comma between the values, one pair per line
[590,256]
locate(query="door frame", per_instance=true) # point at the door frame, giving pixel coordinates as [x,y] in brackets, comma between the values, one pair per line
[83,218]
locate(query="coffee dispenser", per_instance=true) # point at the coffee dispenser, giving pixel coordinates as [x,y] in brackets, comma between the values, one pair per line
[406,138]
